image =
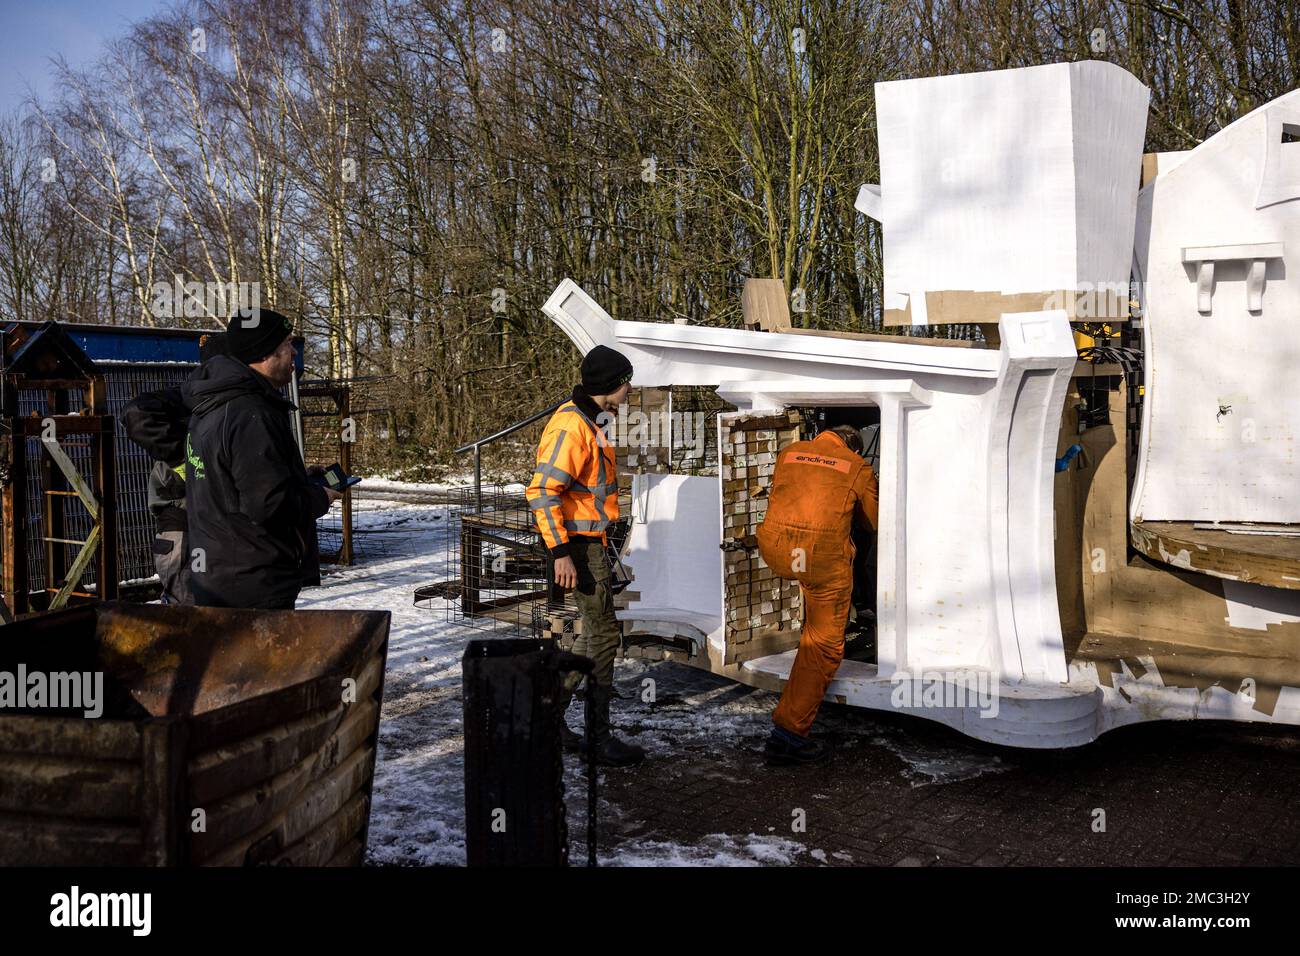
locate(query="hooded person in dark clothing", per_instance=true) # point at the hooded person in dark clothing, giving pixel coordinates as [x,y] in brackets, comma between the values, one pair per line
[158,422]
[251,504]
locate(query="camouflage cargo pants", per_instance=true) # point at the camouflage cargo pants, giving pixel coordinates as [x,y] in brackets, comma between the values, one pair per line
[594,596]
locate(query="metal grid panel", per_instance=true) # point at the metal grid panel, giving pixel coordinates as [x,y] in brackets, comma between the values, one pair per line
[499,561]
[501,570]
[135,524]
[322,427]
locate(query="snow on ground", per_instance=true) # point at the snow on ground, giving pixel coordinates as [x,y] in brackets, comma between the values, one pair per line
[418,812]
[717,849]
[417,817]
[454,483]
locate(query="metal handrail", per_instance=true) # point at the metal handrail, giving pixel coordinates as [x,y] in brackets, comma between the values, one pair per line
[476,447]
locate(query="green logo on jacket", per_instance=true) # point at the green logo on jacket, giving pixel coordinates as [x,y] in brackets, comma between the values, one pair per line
[195,461]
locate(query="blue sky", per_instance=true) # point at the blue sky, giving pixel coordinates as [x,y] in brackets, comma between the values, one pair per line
[32,32]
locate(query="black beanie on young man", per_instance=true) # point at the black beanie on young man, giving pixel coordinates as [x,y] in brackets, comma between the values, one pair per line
[253,334]
[604,370]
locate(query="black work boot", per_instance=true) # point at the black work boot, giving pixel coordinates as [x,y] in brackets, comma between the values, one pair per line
[610,751]
[785,749]
[570,741]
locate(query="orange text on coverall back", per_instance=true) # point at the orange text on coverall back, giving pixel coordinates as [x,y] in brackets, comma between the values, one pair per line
[819,488]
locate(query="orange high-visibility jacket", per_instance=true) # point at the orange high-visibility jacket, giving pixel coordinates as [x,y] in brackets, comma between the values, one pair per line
[818,488]
[575,487]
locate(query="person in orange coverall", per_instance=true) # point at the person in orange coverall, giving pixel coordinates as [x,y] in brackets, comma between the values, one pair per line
[819,489]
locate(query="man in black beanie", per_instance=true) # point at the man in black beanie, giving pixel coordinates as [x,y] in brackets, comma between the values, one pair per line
[574,498]
[252,506]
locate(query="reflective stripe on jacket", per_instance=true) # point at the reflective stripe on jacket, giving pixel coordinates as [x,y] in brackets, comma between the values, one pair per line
[575,487]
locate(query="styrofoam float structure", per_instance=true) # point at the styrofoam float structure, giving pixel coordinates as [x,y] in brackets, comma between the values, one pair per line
[1001,192]
[1214,235]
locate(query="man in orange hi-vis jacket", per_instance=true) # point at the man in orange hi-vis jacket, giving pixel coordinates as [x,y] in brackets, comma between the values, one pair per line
[574,498]
[819,489]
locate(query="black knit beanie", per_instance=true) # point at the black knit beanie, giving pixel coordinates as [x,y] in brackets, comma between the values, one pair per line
[604,370]
[211,345]
[253,334]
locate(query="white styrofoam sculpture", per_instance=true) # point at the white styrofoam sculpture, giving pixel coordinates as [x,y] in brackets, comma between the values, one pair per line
[1221,339]
[1008,182]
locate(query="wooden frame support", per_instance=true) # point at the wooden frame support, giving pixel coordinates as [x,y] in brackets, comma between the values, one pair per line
[48,363]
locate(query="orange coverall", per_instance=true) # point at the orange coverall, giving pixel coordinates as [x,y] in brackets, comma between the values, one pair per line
[817,490]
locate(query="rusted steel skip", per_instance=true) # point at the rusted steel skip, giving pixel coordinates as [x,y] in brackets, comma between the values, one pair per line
[228,738]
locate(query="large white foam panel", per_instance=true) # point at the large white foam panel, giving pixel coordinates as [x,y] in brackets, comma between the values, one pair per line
[673,550]
[1012,180]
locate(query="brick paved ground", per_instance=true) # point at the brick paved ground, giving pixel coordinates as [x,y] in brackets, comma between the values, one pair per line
[901,791]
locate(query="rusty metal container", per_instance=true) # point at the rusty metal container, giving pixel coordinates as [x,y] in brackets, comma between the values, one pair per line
[228,737]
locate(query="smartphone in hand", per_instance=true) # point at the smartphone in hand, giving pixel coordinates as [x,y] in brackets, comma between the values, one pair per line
[334,478]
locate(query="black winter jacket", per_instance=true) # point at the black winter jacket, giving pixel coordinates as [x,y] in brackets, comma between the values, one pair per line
[251,508]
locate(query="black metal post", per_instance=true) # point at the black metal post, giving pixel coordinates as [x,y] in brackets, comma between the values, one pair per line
[478,479]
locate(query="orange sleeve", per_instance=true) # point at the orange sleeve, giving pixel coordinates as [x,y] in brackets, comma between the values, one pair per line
[868,494]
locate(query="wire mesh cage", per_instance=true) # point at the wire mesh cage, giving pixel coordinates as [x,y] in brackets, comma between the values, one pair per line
[328,434]
[499,564]
[501,574]
[74,520]
[135,524]
[560,623]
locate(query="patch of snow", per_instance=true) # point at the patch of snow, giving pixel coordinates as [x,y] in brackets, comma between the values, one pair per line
[929,764]
[457,483]
[716,849]
[418,814]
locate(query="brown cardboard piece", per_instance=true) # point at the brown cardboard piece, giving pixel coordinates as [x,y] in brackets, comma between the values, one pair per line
[906,339]
[978,307]
[764,305]
[1150,167]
